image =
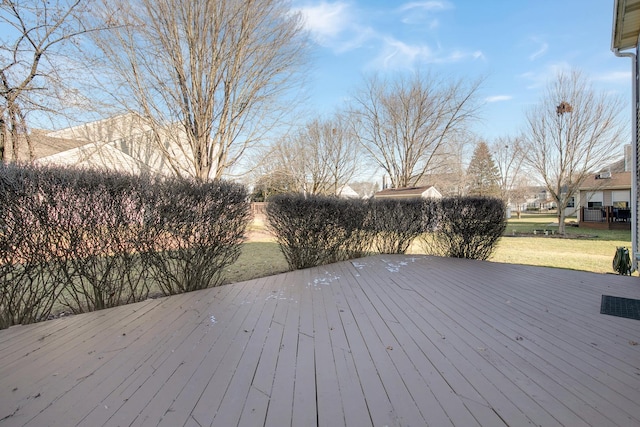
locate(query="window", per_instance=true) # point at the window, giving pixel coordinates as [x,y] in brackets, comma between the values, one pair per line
[621,205]
[594,205]
[571,203]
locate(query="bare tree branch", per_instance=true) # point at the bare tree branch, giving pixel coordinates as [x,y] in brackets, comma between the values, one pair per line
[37,38]
[402,124]
[214,69]
[320,158]
[564,145]
[508,153]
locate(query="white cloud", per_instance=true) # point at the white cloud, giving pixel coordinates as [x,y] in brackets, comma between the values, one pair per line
[420,12]
[540,78]
[325,20]
[498,98]
[614,77]
[425,5]
[396,54]
[340,26]
[540,52]
[335,25]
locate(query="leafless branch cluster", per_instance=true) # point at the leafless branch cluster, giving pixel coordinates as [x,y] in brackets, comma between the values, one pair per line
[88,240]
[213,70]
[404,123]
[565,146]
[318,159]
[38,50]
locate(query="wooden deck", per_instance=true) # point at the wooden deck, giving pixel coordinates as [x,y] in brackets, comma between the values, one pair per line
[384,341]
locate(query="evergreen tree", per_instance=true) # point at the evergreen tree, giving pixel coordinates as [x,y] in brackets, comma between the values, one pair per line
[483,176]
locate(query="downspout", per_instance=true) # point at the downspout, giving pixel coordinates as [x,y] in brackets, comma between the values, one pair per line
[634,160]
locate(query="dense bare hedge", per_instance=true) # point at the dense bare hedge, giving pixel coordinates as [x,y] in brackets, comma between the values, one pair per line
[394,224]
[466,227]
[89,240]
[198,229]
[317,230]
[28,286]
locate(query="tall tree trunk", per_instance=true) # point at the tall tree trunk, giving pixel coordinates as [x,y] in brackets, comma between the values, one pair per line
[3,139]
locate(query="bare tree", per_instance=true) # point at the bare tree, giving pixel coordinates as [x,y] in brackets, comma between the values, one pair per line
[321,158]
[508,154]
[448,173]
[570,133]
[404,123]
[211,71]
[35,48]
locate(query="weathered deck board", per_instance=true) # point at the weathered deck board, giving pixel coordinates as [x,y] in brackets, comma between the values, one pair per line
[386,340]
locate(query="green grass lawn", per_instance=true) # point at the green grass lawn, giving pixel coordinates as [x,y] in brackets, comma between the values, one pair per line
[258,259]
[582,249]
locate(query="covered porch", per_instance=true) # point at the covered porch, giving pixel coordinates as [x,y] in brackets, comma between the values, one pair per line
[605,218]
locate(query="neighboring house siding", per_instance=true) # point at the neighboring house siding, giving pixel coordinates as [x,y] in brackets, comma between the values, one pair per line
[608,191]
[123,143]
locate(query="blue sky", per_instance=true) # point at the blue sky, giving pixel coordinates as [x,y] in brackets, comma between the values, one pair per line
[518,45]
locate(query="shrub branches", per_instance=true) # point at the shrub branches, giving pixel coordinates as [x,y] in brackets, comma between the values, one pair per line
[89,239]
[316,230]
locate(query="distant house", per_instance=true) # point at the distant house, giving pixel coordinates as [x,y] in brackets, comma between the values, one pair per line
[408,193]
[346,192]
[124,143]
[605,201]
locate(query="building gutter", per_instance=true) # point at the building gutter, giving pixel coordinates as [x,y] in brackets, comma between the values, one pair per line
[634,140]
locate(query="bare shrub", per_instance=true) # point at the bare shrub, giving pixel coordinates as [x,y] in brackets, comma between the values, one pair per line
[396,223]
[466,227]
[99,223]
[198,229]
[317,230]
[88,240]
[29,284]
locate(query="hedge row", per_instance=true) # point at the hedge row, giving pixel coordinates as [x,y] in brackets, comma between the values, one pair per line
[318,230]
[87,240]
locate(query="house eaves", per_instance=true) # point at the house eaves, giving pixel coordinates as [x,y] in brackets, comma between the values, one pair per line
[626,24]
[618,181]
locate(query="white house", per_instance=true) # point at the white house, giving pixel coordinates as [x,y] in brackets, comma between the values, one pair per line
[346,192]
[124,143]
[424,192]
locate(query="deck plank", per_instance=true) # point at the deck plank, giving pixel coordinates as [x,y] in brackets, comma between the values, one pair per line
[330,407]
[586,360]
[387,340]
[280,409]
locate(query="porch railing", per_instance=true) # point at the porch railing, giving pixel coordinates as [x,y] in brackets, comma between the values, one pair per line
[605,214]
